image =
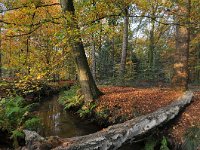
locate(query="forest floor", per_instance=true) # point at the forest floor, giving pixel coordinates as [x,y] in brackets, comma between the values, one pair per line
[189,118]
[125,103]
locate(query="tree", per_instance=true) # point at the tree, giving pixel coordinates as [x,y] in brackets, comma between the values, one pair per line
[93,58]
[88,85]
[124,44]
[0,52]
[3,7]
[181,72]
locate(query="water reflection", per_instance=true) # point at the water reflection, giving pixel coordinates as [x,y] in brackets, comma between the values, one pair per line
[58,122]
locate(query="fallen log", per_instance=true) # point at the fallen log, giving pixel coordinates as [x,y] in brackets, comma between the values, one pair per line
[114,136]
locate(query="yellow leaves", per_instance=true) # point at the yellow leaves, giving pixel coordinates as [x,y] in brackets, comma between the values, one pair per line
[40,76]
[178,65]
[36,3]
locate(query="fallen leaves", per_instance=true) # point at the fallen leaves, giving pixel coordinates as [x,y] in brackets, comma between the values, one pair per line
[190,117]
[128,102]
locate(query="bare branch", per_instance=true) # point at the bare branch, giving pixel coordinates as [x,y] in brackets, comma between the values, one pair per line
[38,6]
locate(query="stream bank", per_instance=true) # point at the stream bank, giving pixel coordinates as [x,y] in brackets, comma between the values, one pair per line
[54,122]
[16,110]
[114,136]
[58,122]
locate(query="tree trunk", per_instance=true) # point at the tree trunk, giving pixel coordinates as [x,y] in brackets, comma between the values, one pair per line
[151,48]
[197,77]
[113,57]
[88,85]
[28,54]
[181,72]
[124,44]
[0,53]
[93,58]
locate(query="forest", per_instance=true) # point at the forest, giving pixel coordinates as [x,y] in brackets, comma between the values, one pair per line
[100,74]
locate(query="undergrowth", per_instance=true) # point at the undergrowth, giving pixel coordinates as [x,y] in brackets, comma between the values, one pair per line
[192,138]
[15,116]
[73,99]
[153,143]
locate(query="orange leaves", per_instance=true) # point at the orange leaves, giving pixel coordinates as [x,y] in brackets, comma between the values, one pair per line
[190,117]
[127,102]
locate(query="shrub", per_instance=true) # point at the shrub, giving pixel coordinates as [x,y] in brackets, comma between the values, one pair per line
[14,117]
[152,142]
[86,110]
[164,144]
[71,98]
[27,85]
[192,138]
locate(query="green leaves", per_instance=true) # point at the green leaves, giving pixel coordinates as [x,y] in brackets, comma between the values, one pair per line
[14,117]
[71,98]
[32,124]
[152,142]
[164,144]
[192,138]
[87,109]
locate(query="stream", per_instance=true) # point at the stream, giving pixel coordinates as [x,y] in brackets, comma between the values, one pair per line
[58,122]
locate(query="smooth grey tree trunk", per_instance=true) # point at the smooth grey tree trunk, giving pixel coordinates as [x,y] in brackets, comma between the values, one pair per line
[113,57]
[151,48]
[124,44]
[93,58]
[0,53]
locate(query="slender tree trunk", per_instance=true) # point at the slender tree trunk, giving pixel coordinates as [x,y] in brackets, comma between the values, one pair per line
[181,72]
[113,57]
[151,48]
[100,63]
[28,54]
[93,58]
[93,50]
[9,59]
[88,86]
[124,45]
[0,52]
[198,63]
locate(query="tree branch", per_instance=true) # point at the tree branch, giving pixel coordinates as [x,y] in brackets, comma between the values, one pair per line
[24,6]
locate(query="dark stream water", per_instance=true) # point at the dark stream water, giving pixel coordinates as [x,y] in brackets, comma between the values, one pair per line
[58,122]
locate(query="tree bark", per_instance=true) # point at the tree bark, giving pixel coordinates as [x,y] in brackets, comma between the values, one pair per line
[27,63]
[0,52]
[93,58]
[88,85]
[151,48]
[113,56]
[181,72]
[124,44]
